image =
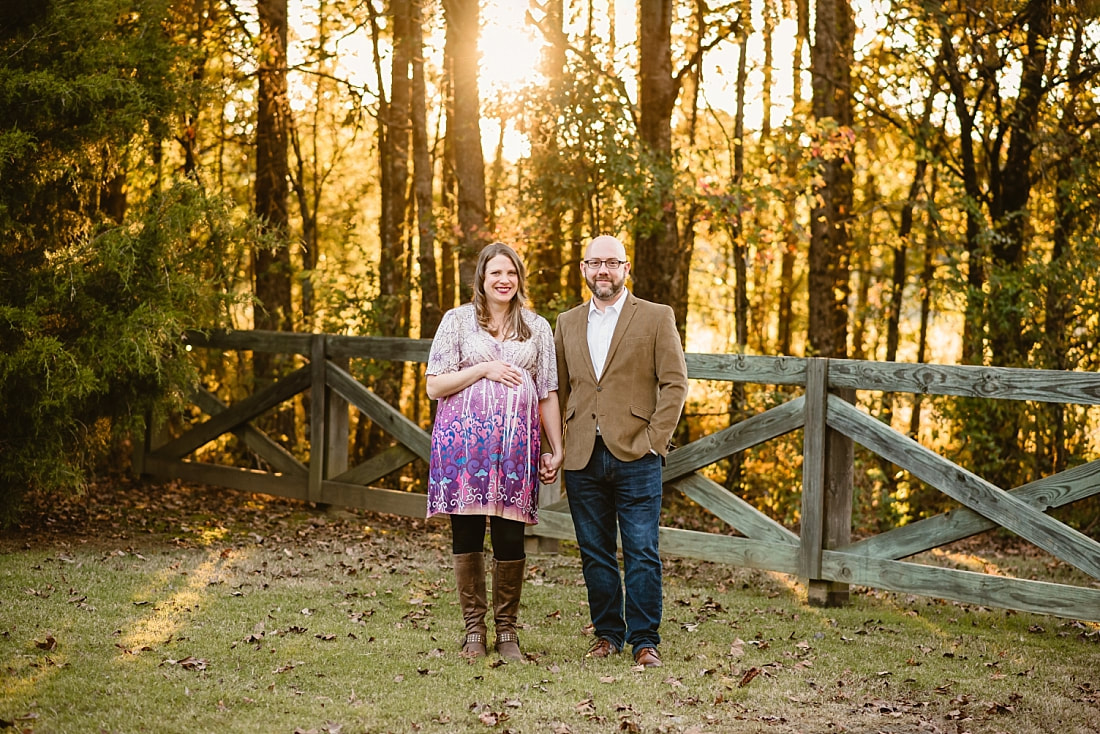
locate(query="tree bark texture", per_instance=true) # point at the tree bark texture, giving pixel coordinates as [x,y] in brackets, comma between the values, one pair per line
[661,266]
[830,218]
[785,316]
[1008,332]
[271,266]
[395,131]
[430,311]
[464,128]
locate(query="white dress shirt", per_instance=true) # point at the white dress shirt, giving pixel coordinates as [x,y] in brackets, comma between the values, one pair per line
[601,327]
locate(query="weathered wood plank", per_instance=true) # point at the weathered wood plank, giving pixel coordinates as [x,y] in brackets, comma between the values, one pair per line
[389,501]
[1042,597]
[747,368]
[237,414]
[554,524]
[395,349]
[381,412]
[317,412]
[733,510]
[280,459]
[284,342]
[246,480]
[813,469]
[762,427]
[1003,383]
[780,557]
[971,490]
[745,552]
[836,526]
[558,505]
[1043,494]
[336,430]
[377,466]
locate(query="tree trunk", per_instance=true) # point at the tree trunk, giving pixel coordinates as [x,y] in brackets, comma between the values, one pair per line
[391,307]
[545,256]
[307,178]
[271,266]
[768,34]
[1011,192]
[926,282]
[1057,309]
[972,342]
[394,131]
[496,176]
[784,326]
[430,310]
[830,219]
[737,409]
[899,271]
[661,266]
[448,197]
[463,25]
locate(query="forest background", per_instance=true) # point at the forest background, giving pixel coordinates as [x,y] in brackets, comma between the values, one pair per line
[887,180]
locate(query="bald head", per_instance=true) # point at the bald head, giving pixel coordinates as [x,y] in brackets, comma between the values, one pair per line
[605,246]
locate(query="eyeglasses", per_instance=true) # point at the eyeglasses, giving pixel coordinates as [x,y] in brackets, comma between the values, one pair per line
[612,263]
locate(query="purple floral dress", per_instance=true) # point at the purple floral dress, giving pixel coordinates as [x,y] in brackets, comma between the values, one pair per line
[485,442]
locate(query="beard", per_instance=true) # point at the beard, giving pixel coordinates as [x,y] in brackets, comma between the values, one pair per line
[605,290]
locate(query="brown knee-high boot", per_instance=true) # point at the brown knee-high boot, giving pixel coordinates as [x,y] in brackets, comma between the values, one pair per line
[507,585]
[470,578]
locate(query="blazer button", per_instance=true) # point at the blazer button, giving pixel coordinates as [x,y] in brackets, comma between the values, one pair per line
[599,389]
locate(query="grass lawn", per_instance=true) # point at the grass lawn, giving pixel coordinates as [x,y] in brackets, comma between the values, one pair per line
[166,608]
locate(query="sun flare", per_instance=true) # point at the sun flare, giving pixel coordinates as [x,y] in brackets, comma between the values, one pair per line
[509,47]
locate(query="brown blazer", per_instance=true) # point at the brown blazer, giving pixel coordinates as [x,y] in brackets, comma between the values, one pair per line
[638,398]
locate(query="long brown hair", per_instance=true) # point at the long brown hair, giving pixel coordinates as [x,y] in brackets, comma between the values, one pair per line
[514,325]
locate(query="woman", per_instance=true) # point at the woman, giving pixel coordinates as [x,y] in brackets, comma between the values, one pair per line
[492,366]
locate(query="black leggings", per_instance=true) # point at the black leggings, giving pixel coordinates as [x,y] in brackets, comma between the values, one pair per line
[468,536]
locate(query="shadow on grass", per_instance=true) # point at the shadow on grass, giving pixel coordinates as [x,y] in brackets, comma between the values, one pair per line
[178,608]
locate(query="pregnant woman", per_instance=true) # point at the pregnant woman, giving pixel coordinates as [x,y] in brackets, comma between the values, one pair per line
[493,369]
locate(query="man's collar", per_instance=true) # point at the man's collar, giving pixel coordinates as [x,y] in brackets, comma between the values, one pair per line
[616,306]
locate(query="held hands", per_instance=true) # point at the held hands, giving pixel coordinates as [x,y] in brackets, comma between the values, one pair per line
[502,372]
[548,467]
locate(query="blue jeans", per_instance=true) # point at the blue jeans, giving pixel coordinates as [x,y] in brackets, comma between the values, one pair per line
[606,496]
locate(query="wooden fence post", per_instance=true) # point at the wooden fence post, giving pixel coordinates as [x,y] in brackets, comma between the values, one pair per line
[811,526]
[827,488]
[336,425]
[317,416]
[839,481]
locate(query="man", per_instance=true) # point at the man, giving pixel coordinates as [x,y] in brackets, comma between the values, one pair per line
[622,383]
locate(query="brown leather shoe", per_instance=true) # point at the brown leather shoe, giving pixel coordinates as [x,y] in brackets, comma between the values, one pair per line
[602,648]
[648,657]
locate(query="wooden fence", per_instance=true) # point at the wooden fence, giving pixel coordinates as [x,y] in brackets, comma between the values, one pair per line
[822,552]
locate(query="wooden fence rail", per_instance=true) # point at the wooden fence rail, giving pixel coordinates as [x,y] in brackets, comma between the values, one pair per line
[822,552]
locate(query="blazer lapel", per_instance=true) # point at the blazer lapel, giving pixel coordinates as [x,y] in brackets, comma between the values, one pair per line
[625,316]
[582,338]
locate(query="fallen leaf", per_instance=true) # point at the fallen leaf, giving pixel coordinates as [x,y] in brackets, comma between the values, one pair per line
[190,663]
[748,676]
